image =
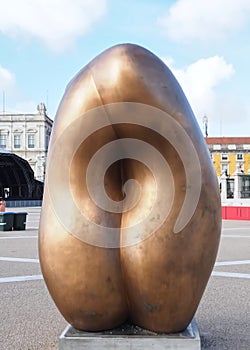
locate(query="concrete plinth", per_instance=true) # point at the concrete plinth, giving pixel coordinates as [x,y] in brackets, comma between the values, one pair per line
[129,337]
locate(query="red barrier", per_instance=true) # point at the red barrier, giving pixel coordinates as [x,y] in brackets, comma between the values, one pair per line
[235,213]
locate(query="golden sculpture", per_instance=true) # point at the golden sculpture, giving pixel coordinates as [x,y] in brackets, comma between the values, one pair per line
[131,216]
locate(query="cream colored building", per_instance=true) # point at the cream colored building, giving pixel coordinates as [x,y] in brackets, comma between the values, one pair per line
[27,135]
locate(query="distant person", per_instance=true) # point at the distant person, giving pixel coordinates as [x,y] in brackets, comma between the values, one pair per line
[2,204]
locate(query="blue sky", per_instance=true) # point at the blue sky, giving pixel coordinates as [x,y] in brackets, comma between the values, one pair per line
[206,44]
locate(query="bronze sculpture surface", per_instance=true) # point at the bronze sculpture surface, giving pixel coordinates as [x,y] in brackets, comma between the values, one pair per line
[112,248]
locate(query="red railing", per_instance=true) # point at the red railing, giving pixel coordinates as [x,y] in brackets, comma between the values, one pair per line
[235,213]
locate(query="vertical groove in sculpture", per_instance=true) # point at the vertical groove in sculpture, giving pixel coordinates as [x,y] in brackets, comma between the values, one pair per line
[131,221]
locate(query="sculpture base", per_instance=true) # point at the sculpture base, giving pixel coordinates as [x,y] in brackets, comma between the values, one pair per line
[130,337]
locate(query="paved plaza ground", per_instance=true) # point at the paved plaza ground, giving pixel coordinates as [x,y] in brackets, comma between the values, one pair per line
[30,320]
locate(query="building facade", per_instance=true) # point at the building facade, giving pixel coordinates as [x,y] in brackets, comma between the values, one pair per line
[231,159]
[27,135]
[230,155]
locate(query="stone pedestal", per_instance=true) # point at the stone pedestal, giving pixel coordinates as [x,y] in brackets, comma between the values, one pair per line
[129,337]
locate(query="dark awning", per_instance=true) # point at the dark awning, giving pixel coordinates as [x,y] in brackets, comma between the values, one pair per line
[16,174]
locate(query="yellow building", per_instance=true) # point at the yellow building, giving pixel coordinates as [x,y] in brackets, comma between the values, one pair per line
[230,154]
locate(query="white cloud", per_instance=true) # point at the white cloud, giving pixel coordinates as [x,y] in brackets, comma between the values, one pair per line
[57,23]
[195,19]
[11,99]
[199,81]
[7,79]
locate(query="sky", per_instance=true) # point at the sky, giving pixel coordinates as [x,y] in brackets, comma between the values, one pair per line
[206,44]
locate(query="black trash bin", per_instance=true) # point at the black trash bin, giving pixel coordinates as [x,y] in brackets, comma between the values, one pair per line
[19,221]
[6,221]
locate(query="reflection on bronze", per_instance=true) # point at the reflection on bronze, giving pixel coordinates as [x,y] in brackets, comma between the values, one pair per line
[158,281]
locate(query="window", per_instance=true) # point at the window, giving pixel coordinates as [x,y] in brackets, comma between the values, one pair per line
[31,141]
[17,141]
[3,141]
[224,156]
[239,156]
[230,188]
[47,139]
[245,192]
[224,169]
